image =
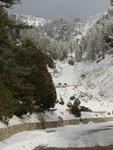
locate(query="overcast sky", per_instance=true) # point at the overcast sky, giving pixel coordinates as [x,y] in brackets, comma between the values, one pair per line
[67,9]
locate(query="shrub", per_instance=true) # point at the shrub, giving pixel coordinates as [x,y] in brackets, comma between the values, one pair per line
[65,84]
[71,62]
[83,76]
[72,98]
[74,108]
[61,102]
[59,84]
[85,109]
[57,101]
[69,104]
[51,63]
[109,113]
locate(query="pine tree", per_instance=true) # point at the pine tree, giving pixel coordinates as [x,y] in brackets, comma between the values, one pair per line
[25,83]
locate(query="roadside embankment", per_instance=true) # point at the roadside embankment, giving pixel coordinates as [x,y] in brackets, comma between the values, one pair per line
[11,130]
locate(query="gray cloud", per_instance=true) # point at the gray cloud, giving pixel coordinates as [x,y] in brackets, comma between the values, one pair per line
[61,8]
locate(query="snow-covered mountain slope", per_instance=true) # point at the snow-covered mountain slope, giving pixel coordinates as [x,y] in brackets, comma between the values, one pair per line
[96,38]
[90,22]
[91,83]
[30,20]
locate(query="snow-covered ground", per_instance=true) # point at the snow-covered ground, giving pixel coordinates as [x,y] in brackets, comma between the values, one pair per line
[2,125]
[91,83]
[71,136]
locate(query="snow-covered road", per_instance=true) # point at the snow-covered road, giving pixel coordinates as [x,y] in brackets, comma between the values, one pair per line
[72,136]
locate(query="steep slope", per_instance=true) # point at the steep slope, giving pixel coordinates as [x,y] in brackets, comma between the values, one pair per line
[91,83]
[91,80]
[96,40]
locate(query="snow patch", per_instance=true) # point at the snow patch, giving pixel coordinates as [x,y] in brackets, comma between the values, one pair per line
[14,121]
[2,125]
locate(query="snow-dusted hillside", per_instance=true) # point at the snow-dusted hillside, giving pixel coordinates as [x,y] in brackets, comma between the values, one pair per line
[90,22]
[96,39]
[30,20]
[91,83]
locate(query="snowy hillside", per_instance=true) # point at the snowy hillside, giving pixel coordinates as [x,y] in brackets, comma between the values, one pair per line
[30,20]
[91,83]
[90,22]
[96,39]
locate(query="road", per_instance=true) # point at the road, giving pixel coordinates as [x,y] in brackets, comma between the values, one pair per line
[96,136]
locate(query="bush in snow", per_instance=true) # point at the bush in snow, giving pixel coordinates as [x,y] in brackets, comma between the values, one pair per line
[72,98]
[51,63]
[85,109]
[65,84]
[69,104]
[109,113]
[71,62]
[59,84]
[57,101]
[61,102]
[74,108]
[83,76]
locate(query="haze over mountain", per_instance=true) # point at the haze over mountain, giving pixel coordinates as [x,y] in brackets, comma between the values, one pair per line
[67,9]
